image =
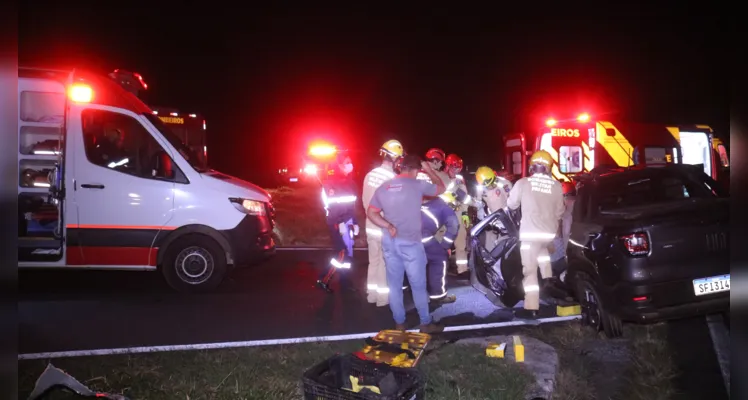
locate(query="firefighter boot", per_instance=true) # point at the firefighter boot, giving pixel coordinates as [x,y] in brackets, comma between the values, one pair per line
[553,288]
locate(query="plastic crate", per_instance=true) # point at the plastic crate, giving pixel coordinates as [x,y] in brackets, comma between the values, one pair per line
[325,381]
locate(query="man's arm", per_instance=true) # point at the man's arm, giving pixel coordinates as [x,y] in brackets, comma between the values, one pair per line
[440,188]
[513,202]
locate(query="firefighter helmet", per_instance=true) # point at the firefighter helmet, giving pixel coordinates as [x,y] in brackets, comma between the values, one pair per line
[454,161]
[449,198]
[392,148]
[436,154]
[542,157]
[485,176]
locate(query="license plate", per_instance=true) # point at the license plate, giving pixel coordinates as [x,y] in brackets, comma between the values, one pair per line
[711,285]
[293,179]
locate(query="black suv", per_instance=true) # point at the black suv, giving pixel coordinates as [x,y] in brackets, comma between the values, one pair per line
[648,244]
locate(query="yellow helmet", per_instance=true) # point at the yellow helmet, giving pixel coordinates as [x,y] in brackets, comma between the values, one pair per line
[392,148]
[449,198]
[541,157]
[485,176]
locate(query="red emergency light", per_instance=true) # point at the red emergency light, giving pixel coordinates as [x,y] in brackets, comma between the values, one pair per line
[551,122]
[583,117]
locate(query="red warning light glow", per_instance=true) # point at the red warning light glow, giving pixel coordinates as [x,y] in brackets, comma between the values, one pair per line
[583,117]
[551,122]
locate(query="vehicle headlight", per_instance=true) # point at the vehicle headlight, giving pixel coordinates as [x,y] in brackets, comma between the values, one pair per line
[251,207]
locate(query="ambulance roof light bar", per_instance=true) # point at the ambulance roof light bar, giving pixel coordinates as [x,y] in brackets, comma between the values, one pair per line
[584,117]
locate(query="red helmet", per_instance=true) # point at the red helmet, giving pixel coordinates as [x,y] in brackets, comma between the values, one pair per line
[435,154]
[454,161]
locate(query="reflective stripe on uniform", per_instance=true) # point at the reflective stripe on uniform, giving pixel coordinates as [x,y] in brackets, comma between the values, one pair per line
[461,262]
[537,236]
[377,176]
[424,240]
[532,288]
[544,259]
[373,232]
[383,290]
[448,239]
[430,215]
[371,286]
[337,264]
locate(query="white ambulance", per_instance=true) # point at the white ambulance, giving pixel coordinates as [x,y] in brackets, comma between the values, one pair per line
[104,184]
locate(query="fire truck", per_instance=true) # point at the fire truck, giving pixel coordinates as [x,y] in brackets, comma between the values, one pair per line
[582,144]
[188,127]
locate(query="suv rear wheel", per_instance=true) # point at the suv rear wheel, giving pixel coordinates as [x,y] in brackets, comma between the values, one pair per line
[194,263]
[594,312]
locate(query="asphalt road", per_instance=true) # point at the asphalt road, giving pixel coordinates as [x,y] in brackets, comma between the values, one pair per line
[85,310]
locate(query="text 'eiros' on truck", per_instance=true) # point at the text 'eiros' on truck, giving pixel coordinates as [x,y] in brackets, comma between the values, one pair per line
[105,184]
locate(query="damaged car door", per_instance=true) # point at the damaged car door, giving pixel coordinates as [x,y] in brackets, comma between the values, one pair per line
[495,265]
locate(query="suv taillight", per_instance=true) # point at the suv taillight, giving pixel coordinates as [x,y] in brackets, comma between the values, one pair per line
[637,244]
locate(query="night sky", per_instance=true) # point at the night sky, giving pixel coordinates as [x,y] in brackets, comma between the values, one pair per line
[269,80]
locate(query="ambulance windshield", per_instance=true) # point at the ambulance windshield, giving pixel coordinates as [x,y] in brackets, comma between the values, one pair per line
[187,153]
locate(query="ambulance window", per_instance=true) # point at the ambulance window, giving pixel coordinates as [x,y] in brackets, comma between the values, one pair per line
[570,159]
[121,143]
[517,163]
[696,150]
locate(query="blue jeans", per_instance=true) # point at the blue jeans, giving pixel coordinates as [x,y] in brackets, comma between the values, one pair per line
[405,257]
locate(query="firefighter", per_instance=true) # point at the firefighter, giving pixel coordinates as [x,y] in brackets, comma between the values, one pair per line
[436,214]
[542,202]
[453,167]
[494,191]
[377,291]
[339,200]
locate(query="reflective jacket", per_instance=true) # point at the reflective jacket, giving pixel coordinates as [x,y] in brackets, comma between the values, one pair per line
[339,199]
[542,201]
[435,214]
[372,181]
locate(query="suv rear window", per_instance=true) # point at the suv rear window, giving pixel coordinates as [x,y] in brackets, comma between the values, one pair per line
[635,190]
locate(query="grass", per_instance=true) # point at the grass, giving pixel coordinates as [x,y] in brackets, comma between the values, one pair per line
[300,218]
[638,366]
[453,372]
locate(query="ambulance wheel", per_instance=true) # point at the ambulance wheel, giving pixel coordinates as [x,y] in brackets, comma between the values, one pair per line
[594,312]
[194,263]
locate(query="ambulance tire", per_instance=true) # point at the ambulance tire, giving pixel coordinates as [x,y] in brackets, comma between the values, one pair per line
[194,263]
[604,320]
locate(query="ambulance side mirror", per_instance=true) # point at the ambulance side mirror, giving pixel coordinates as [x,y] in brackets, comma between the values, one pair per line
[610,132]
